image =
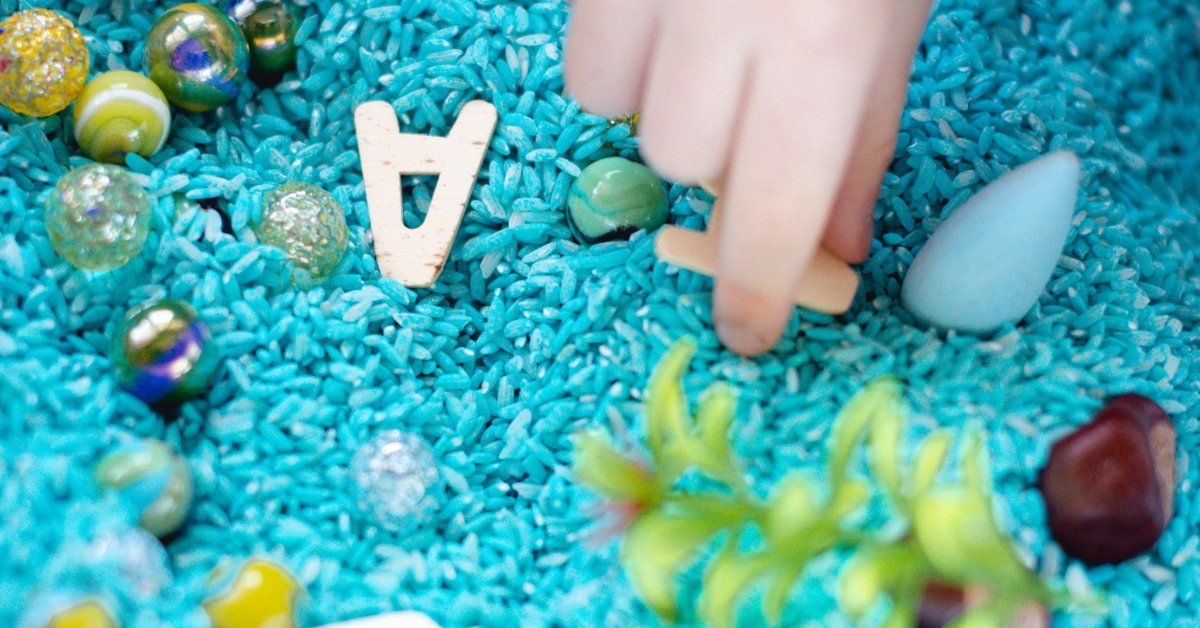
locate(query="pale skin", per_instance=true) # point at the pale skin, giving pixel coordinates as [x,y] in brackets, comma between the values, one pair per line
[790,107]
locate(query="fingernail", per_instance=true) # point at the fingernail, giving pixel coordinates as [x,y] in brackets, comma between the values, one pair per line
[741,340]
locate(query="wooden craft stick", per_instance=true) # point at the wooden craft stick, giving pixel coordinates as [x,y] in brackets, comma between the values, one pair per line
[415,257]
[828,284]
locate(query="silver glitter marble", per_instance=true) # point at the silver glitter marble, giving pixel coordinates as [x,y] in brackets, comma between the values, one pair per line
[133,555]
[395,473]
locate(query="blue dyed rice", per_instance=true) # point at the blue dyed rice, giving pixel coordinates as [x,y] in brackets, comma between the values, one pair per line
[529,337]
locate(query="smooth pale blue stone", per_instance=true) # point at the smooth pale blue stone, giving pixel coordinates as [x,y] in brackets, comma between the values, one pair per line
[990,261]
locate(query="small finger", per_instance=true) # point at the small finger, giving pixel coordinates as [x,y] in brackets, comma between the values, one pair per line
[690,104]
[851,224]
[607,53]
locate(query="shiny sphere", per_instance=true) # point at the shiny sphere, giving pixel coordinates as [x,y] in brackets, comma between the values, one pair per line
[131,556]
[271,34]
[67,609]
[613,198]
[98,217]
[119,113]
[309,225]
[394,474]
[259,594]
[162,353]
[198,57]
[44,62]
[150,478]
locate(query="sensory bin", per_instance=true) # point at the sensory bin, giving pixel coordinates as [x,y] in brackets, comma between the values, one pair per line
[529,337]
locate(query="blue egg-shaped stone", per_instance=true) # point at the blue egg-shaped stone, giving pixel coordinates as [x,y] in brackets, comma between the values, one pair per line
[988,263]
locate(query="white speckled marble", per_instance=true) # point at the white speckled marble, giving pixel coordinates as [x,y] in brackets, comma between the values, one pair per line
[990,261]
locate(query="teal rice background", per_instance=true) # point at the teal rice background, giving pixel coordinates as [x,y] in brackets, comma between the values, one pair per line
[529,337]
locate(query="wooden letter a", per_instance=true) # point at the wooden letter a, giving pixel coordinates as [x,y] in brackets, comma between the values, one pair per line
[415,257]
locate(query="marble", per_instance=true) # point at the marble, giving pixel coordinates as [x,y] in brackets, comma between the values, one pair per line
[990,261]
[197,56]
[162,353]
[260,593]
[119,113]
[44,62]
[152,480]
[98,217]
[394,474]
[614,197]
[309,225]
[270,32]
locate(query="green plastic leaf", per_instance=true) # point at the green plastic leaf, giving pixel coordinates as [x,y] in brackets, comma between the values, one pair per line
[613,475]
[928,462]
[976,464]
[851,423]
[872,573]
[728,577]
[850,495]
[956,532]
[714,416]
[792,508]
[657,547]
[782,583]
[883,455]
[666,405]
[860,586]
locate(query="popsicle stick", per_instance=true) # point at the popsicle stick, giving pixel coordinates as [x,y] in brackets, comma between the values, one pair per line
[415,257]
[828,284]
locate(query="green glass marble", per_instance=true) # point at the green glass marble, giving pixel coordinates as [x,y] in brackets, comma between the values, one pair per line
[119,113]
[198,56]
[162,352]
[98,217]
[615,197]
[152,479]
[309,225]
[271,34]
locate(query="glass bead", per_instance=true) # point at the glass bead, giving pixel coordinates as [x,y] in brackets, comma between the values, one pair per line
[162,352]
[198,57]
[67,609]
[131,555]
[98,217]
[44,62]
[613,198]
[259,593]
[271,34]
[152,479]
[394,475]
[309,225]
[119,113]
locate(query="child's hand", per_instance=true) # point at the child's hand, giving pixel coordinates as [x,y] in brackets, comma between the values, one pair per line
[792,105]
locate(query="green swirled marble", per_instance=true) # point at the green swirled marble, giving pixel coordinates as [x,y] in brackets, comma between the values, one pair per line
[615,197]
[198,56]
[152,479]
[119,113]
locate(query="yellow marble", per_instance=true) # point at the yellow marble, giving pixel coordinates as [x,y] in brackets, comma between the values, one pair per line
[261,595]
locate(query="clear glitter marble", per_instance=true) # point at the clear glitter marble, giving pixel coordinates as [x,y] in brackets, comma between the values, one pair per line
[98,217]
[309,225]
[44,62]
[394,473]
[133,555]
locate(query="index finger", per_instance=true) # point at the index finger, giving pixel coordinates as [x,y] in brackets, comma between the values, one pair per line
[800,122]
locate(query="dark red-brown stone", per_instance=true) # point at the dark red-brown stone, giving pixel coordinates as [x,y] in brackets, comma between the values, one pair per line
[943,603]
[1109,485]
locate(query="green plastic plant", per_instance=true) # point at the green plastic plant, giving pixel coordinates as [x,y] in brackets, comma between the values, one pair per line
[943,528]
